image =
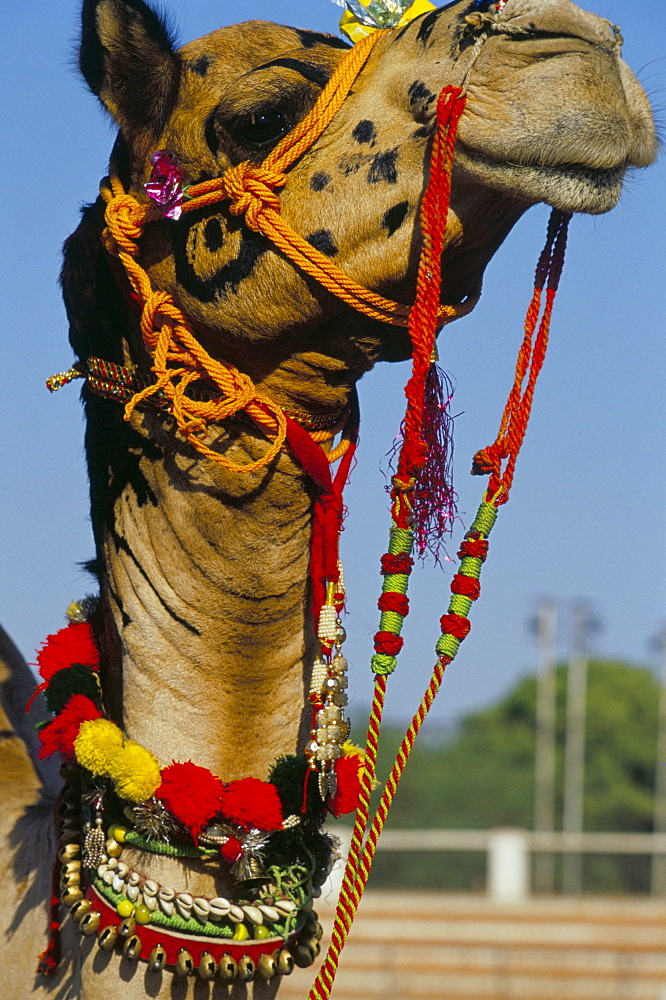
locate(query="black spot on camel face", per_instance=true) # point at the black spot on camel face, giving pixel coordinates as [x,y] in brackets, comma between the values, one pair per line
[365,132]
[323,241]
[319,181]
[395,216]
[383,167]
[199,66]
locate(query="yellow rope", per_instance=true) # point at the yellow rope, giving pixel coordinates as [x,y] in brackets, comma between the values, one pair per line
[178,358]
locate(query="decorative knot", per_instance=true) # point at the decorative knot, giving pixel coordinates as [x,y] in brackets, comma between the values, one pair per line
[403,485]
[400,563]
[475,548]
[249,187]
[456,625]
[388,643]
[486,461]
[392,601]
[466,586]
[125,218]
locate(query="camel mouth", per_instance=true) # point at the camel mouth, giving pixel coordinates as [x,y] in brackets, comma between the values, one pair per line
[571,187]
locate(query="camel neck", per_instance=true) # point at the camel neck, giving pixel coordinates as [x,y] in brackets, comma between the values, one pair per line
[205,583]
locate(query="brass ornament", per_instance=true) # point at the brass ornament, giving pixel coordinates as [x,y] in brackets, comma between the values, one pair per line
[207,966]
[267,967]
[304,954]
[157,959]
[184,964]
[227,969]
[71,895]
[132,948]
[285,963]
[80,909]
[89,924]
[107,938]
[246,969]
[126,927]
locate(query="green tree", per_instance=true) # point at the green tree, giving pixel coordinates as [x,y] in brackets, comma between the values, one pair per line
[482,776]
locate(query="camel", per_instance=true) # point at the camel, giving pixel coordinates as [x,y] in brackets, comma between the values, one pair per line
[204,618]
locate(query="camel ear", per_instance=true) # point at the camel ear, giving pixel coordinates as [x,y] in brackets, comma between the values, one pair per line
[129,61]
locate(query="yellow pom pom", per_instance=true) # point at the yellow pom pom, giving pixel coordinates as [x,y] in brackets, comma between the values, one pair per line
[135,772]
[351,750]
[97,742]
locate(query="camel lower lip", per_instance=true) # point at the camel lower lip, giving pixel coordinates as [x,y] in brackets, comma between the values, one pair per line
[571,187]
[603,175]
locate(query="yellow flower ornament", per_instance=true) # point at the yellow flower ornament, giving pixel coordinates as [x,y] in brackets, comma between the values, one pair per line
[361,19]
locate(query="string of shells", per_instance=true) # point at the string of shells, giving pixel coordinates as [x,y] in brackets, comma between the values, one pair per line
[142,894]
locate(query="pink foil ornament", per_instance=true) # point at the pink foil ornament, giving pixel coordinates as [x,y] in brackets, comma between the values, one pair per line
[165,186]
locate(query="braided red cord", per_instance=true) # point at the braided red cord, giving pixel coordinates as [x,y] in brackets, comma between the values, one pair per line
[531,356]
[423,316]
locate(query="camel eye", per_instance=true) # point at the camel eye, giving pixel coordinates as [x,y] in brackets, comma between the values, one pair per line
[261,128]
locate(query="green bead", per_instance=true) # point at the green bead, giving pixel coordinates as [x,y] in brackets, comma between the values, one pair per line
[260,931]
[142,914]
[241,933]
[125,908]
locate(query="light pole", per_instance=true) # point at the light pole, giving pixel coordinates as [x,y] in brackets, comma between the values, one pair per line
[574,746]
[544,756]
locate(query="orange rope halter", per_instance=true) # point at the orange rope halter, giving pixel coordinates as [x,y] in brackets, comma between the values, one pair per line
[178,359]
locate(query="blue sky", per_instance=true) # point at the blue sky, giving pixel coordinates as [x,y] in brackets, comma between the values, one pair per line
[586,514]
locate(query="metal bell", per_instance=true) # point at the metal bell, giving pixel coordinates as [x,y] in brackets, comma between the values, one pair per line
[90,923]
[250,872]
[285,963]
[267,967]
[246,969]
[107,938]
[132,948]
[157,959]
[184,963]
[80,909]
[227,969]
[207,966]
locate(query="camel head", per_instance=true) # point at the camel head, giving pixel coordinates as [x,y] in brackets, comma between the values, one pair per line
[552,114]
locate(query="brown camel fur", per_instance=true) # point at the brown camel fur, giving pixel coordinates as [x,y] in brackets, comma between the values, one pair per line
[203,572]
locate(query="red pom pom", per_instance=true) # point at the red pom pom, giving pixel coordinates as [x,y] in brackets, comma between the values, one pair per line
[251,802]
[73,644]
[191,794]
[348,772]
[61,733]
[232,850]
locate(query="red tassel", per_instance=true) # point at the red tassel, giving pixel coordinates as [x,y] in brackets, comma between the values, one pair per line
[434,499]
[49,959]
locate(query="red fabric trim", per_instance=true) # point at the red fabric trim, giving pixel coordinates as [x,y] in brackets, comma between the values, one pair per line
[173,942]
